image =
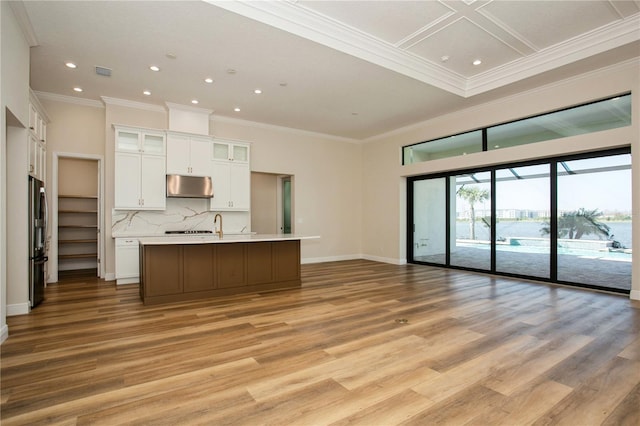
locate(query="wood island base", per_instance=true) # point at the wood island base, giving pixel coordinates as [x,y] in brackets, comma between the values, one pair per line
[179,272]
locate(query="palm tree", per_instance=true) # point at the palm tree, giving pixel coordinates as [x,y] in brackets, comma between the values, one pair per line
[575,224]
[473,195]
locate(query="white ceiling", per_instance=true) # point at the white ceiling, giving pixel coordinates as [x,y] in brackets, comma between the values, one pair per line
[351,69]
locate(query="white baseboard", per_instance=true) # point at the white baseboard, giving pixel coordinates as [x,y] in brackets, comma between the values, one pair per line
[134,280]
[110,276]
[353,257]
[18,309]
[330,258]
[4,333]
[385,259]
[635,294]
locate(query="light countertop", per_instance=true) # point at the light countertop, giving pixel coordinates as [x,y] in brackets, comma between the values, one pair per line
[213,239]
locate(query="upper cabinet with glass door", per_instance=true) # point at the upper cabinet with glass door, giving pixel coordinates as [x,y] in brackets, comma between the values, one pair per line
[139,140]
[230,151]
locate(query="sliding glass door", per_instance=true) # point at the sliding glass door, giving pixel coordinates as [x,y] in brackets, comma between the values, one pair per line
[565,220]
[594,221]
[430,221]
[522,213]
[471,235]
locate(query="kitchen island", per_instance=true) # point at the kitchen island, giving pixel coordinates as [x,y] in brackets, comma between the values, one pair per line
[195,266]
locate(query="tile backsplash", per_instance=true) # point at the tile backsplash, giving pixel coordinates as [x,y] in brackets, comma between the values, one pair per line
[181,214]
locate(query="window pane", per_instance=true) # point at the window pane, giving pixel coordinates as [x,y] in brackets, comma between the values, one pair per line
[594,221]
[451,146]
[604,115]
[471,238]
[522,213]
[429,215]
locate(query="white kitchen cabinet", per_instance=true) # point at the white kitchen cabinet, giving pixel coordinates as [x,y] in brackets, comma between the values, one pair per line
[139,182]
[230,151]
[142,141]
[37,123]
[231,186]
[127,262]
[188,154]
[231,176]
[36,140]
[37,158]
[140,169]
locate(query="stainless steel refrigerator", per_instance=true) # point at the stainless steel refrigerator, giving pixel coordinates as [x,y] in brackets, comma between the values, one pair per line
[37,240]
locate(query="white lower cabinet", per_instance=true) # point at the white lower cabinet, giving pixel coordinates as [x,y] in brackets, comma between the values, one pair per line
[127,261]
[231,186]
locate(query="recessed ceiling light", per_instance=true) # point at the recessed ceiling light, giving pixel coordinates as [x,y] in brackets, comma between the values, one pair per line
[171,55]
[194,101]
[71,65]
[208,80]
[154,68]
[77,89]
[146,92]
[236,109]
[477,62]
[257,91]
[496,146]
[444,58]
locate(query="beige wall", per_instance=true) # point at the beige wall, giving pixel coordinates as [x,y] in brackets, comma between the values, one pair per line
[77,177]
[14,117]
[384,206]
[327,197]
[264,200]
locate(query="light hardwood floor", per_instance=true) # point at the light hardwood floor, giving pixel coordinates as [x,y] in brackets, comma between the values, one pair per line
[475,349]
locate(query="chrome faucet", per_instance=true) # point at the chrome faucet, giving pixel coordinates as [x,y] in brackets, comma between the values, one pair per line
[215,220]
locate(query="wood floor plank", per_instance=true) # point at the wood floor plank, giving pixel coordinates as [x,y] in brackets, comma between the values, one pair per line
[474,349]
[604,391]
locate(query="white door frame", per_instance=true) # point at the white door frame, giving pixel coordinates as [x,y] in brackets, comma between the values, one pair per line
[53,247]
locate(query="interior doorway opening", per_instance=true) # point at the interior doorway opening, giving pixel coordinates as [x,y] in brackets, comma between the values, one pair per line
[272,203]
[77,217]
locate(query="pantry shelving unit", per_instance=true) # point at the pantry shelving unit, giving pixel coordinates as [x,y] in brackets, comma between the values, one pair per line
[78,235]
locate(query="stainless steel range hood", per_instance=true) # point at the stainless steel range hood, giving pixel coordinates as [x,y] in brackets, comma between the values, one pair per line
[181,186]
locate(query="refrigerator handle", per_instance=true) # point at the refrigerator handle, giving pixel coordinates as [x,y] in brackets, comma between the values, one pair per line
[46,218]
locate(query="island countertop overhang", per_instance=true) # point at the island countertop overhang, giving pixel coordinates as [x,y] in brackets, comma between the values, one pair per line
[214,239]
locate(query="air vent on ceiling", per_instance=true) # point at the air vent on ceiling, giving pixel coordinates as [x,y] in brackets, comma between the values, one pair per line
[103,71]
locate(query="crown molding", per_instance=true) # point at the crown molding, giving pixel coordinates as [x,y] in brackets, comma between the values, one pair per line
[171,105]
[257,125]
[600,40]
[632,63]
[132,104]
[68,99]
[303,22]
[20,12]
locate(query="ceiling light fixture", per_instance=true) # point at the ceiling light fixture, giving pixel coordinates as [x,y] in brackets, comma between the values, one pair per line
[444,58]
[77,89]
[171,55]
[236,109]
[257,91]
[208,80]
[71,65]
[194,101]
[154,68]
[147,93]
[477,62]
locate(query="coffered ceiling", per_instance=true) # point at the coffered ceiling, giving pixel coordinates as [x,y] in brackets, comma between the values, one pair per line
[350,69]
